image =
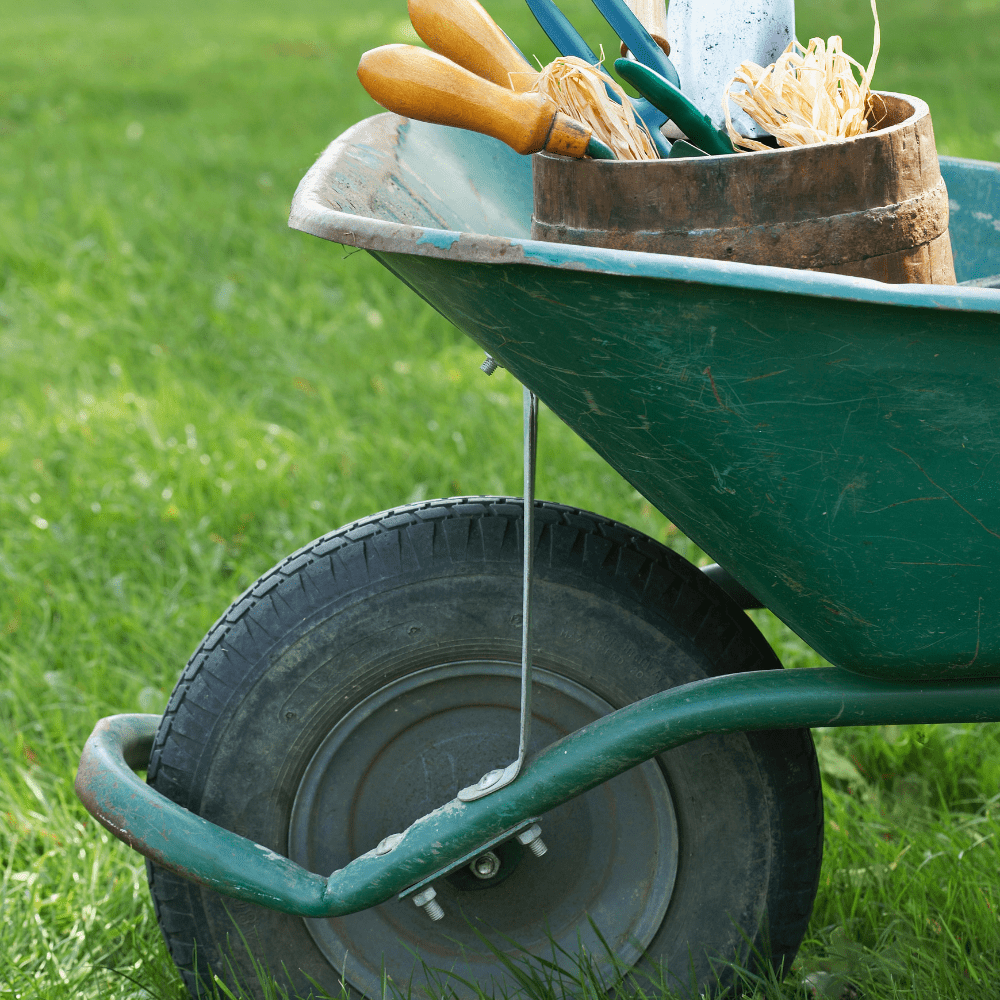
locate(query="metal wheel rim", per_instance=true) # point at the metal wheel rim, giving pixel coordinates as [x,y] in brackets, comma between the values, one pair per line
[406,749]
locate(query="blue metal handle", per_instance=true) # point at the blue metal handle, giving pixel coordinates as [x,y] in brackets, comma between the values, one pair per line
[639,41]
[569,42]
[561,33]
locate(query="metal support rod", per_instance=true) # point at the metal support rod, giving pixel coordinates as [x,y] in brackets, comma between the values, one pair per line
[499,778]
[530,452]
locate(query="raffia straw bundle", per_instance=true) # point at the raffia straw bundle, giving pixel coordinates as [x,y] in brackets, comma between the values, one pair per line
[809,95]
[578,89]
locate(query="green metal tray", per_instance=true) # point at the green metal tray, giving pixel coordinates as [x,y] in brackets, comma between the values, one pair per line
[830,441]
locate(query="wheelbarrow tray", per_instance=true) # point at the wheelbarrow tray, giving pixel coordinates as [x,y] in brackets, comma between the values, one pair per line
[830,441]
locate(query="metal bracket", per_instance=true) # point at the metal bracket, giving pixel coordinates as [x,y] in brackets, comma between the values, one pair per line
[495,780]
[467,858]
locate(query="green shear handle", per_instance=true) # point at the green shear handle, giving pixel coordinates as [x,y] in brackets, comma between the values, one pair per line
[663,94]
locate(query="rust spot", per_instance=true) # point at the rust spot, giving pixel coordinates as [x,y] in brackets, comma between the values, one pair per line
[768,375]
[591,403]
[715,392]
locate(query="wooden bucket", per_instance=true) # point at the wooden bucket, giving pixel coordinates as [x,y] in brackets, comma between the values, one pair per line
[874,206]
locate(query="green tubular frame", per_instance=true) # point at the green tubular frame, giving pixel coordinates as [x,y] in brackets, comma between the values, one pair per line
[177,839]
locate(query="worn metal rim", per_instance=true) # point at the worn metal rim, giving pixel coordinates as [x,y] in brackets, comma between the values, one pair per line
[336,201]
[406,749]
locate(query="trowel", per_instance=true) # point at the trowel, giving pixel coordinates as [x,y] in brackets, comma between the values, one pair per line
[708,39]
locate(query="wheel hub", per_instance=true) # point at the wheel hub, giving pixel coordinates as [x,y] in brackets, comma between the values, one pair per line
[406,750]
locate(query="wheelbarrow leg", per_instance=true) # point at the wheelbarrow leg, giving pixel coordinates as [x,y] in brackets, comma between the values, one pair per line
[499,778]
[530,403]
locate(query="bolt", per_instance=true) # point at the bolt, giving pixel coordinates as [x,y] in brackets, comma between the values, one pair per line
[489,365]
[386,845]
[489,779]
[532,839]
[485,866]
[426,901]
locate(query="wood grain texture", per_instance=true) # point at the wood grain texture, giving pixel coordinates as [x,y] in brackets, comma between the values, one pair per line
[832,207]
[468,36]
[652,15]
[567,137]
[420,84]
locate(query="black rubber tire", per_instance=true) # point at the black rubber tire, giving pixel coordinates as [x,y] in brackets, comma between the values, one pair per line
[618,613]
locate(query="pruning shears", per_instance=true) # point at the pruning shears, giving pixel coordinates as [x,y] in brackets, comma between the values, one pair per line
[569,42]
[698,127]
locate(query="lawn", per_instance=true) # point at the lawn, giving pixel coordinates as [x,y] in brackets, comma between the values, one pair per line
[189,391]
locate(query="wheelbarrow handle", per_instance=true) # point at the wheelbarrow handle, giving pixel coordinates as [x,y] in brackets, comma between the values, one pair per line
[192,847]
[174,837]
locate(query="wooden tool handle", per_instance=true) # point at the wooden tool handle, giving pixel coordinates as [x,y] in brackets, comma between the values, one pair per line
[652,14]
[467,35]
[424,85]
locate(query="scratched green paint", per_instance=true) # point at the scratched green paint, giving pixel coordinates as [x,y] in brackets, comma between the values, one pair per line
[837,457]
[832,442]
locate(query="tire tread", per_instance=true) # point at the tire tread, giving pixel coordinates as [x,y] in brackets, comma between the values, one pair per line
[414,536]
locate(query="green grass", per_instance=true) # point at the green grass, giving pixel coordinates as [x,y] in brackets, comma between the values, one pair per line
[189,391]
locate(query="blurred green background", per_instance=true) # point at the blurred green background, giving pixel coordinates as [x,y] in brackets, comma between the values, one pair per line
[189,391]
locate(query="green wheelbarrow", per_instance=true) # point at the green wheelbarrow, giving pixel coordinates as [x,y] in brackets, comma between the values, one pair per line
[331,789]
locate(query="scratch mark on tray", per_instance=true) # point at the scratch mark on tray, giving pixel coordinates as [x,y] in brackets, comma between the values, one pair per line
[899,503]
[854,484]
[715,392]
[757,329]
[979,621]
[847,423]
[985,467]
[989,531]
[768,375]
[901,563]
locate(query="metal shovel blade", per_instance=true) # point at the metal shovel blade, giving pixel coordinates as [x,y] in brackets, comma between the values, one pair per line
[710,38]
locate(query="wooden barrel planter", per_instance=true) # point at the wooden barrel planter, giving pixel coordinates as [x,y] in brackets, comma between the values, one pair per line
[874,206]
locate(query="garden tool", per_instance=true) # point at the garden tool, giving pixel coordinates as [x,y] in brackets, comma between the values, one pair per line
[710,38]
[638,40]
[652,15]
[462,31]
[683,149]
[426,86]
[569,42]
[698,127]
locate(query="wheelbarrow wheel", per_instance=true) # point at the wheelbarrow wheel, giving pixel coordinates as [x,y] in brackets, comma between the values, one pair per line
[366,678]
